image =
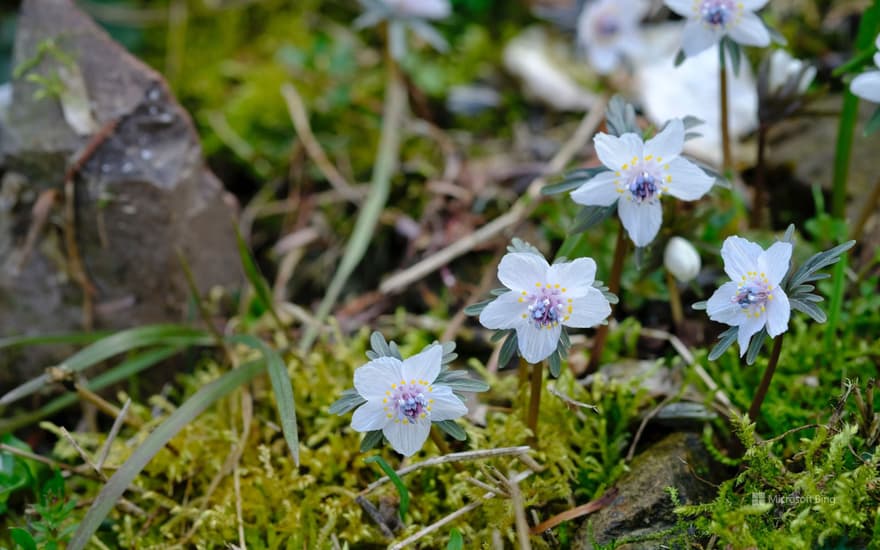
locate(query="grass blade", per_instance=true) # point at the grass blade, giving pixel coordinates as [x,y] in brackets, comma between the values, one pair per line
[65,338]
[157,440]
[395,479]
[122,371]
[151,335]
[368,217]
[283,388]
[256,279]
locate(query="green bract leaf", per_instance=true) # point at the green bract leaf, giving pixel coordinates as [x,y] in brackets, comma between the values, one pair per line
[726,338]
[507,349]
[379,345]
[620,117]
[735,51]
[573,180]
[808,307]
[755,345]
[519,245]
[679,58]
[815,263]
[460,380]
[555,362]
[348,401]
[591,216]
[475,309]
[452,428]
[371,440]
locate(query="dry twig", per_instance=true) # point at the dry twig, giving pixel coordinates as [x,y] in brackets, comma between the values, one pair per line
[520,210]
[452,457]
[300,119]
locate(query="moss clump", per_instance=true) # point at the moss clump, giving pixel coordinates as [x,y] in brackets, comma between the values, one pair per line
[188,492]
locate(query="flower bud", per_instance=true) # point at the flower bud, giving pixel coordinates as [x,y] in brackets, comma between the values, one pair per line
[681,259]
[425,9]
[783,68]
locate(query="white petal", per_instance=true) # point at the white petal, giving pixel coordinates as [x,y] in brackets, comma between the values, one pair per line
[615,151]
[375,378]
[522,270]
[750,31]
[600,190]
[688,182]
[368,417]
[446,405]
[576,277]
[537,344]
[722,308]
[424,365]
[877,43]
[668,143]
[641,220]
[504,312]
[684,8]
[746,330]
[588,311]
[407,438]
[876,56]
[778,313]
[740,256]
[753,5]
[697,37]
[775,261]
[867,86]
[603,59]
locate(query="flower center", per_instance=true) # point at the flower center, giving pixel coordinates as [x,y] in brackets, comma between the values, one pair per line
[717,12]
[643,186]
[407,402]
[753,293]
[607,26]
[547,306]
[643,179]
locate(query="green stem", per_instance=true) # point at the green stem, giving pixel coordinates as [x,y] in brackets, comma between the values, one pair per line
[537,380]
[380,187]
[845,131]
[835,306]
[674,302]
[727,163]
[614,287]
[760,211]
[755,409]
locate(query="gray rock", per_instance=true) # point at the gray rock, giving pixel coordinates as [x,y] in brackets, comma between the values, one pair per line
[143,193]
[643,507]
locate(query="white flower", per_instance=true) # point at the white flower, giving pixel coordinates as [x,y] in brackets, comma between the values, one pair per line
[608,31]
[867,85]
[709,20]
[402,399]
[784,67]
[681,259]
[639,174]
[542,298]
[424,9]
[753,298]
